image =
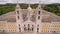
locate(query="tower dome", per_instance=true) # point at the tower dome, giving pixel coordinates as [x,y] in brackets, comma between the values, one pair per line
[29,8]
[17,6]
[39,6]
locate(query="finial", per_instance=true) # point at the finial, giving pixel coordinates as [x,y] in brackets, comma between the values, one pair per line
[39,4]
[28,3]
[18,1]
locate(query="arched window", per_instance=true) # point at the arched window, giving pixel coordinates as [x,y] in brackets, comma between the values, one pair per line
[39,7]
[39,12]
[37,29]
[19,29]
[32,29]
[18,17]
[19,24]
[38,17]
[17,12]
[32,26]
[28,25]
[24,27]
[37,25]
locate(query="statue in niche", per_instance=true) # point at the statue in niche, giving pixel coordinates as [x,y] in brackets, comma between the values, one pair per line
[33,18]
[24,17]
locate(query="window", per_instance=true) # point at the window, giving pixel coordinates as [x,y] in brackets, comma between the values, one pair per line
[28,25]
[37,29]
[28,29]
[38,17]
[19,24]
[39,12]
[24,27]
[32,29]
[19,29]
[18,17]
[37,25]
[17,12]
[32,26]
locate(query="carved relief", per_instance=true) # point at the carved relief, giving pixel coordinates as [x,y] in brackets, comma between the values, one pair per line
[24,16]
[33,18]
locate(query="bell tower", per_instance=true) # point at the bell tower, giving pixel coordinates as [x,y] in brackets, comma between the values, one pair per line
[39,13]
[38,17]
[18,17]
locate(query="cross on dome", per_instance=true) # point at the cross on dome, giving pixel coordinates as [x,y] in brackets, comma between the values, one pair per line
[29,7]
[18,6]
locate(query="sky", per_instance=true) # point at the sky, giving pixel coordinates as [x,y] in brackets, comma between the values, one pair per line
[30,1]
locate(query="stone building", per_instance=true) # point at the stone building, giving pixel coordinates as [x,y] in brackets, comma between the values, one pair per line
[30,20]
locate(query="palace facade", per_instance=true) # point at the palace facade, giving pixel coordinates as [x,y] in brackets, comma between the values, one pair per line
[30,20]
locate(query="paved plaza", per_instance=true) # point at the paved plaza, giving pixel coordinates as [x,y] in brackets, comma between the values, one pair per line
[26,33]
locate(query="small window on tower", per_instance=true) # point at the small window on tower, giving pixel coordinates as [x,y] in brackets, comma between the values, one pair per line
[19,24]
[38,17]
[18,17]
[17,12]
[39,12]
